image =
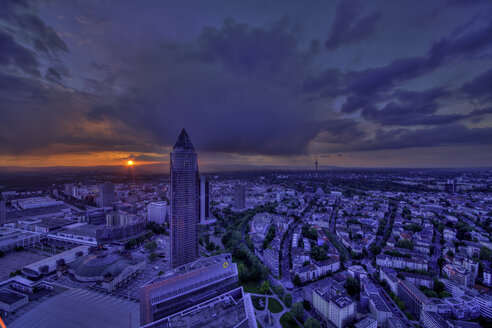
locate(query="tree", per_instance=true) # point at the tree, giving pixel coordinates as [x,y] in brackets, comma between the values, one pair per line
[300,243]
[404,243]
[486,254]
[306,305]
[352,286]
[375,249]
[298,311]
[151,246]
[438,286]
[297,280]
[440,262]
[131,244]
[243,272]
[265,287]
[288,300]
[210,246]
[279,290]
[152,256]
[444,294]
[312,323]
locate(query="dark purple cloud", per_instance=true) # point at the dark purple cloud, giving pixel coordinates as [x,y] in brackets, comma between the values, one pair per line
[245,85]
[480,88]
[13,54]
[350,25]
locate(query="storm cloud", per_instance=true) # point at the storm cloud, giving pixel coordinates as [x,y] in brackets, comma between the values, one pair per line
[123,78]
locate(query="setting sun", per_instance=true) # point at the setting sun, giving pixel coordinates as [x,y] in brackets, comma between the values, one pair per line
[130,162]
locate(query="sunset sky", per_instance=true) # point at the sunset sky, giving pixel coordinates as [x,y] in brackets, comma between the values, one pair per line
[360,83]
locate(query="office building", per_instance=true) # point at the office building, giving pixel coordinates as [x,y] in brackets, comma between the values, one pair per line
[367,322]
[204,199]
[271,257]
[157,212]
[187,286]
[415,301]
[485,303]
[231,309]
[106,194]
[395,322]
[107,234]
[98,216]
[321,301]
[3,211]
[379,309]
[342,310]
[450,186]
[239,196]
[184,201]
[459,274]
[431,319]
[11,238]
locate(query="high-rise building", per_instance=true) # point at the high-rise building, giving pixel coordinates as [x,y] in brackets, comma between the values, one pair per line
[450,186]
[316,166]
[204,199]
[415,301]
[187,286]
[239,196]
[106,194]
[157,212]
[3,211]
[184,201]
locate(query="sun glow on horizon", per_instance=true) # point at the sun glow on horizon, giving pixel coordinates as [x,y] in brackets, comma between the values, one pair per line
[130,163]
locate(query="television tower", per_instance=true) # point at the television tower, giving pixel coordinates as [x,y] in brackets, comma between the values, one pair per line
[316,166]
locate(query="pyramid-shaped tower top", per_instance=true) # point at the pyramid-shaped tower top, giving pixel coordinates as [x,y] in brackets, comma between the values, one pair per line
[183,141]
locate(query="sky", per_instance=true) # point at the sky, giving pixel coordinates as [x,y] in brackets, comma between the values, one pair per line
[271,83]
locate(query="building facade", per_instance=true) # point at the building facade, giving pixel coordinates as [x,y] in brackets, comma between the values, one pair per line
[204,199]
[106,194]
[184,201]
[239,196]
[157,212]
[186,286]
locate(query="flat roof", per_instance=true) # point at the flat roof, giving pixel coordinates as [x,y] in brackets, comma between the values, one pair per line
[366,322]
[51,261]
[379,303]
[342,300]
[9,297]
[415,290]
[396,322]
[36,202]
[231,309]
[54,222]
[11,235]
[86,230]
[79,308]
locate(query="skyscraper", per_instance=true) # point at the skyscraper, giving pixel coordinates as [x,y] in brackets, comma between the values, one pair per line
[184,201]
[106,194]
[239,196]
[204,199]
[3,211]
